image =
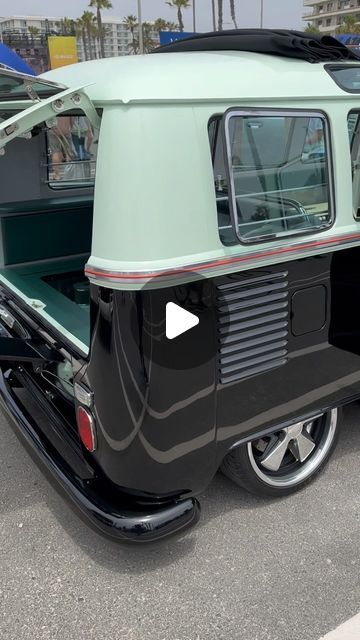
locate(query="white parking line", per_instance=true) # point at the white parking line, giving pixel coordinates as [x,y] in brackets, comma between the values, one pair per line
[350,630]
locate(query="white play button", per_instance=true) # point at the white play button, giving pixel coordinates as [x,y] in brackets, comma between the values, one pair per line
[178,320]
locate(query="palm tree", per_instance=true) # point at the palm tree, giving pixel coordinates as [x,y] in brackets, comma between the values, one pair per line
[149,43]
[349,25]
[160,25]
[220,15]
[131,23]
[66,27]
[220,8]
[179,5]
[311,29]
[134,46]
[233,13]
[97,38]
[81,33]
[89,22]
[172,26]
[99,5]
[34,31]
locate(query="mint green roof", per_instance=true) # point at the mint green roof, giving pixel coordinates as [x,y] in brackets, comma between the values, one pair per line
[198,76]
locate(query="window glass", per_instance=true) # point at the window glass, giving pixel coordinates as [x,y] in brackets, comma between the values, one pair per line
[352,123]
[13,86]
[72,148]
[354,138]
[347,77]
[4,115]
[275,181]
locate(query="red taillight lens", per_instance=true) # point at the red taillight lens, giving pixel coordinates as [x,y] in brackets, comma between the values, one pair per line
[86,427]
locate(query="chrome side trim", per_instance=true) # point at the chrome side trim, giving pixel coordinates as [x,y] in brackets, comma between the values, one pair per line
[211,268]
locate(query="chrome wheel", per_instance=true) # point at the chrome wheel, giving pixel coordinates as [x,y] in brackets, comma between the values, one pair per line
[291,455]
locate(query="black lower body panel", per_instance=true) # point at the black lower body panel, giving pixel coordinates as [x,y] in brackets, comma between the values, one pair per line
[118,515]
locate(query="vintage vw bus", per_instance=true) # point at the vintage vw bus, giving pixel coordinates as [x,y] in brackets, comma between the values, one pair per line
[227,187]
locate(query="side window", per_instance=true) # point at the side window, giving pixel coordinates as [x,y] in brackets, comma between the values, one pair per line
[354,138]
[271,175]
[71,151]
[346,76]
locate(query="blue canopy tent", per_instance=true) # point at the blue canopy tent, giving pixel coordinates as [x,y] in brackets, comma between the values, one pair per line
[9,58]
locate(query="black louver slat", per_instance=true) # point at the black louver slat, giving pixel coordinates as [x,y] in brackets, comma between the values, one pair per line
[253,317]
[279,42]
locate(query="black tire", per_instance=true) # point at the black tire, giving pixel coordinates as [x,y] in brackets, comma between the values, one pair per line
[245,469]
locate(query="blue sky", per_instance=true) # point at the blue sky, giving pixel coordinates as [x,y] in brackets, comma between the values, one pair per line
[277,13]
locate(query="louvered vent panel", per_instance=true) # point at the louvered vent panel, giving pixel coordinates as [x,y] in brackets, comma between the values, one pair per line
[253,321]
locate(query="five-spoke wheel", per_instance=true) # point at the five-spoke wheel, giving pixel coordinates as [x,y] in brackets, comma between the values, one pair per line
[285,460]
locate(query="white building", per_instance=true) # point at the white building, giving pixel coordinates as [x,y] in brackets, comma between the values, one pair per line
[328,16]
[21,24]
[118,37]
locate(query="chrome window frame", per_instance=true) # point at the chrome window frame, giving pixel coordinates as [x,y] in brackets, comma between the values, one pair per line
[355,111]
[68,184]
[50,88]
[331,68]
[292,113]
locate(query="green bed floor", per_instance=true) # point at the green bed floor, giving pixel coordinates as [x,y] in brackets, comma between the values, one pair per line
[28,279]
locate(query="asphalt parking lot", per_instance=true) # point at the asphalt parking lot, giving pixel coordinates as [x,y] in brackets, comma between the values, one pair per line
[251,570]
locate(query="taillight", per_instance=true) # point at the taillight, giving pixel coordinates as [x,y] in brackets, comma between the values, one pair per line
[86,427]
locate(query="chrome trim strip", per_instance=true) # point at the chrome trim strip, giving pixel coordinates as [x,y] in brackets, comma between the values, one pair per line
[96,274]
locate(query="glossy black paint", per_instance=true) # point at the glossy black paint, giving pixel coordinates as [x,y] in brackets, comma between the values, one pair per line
[317,374]
[154,398]
[115,514]
[164,422]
